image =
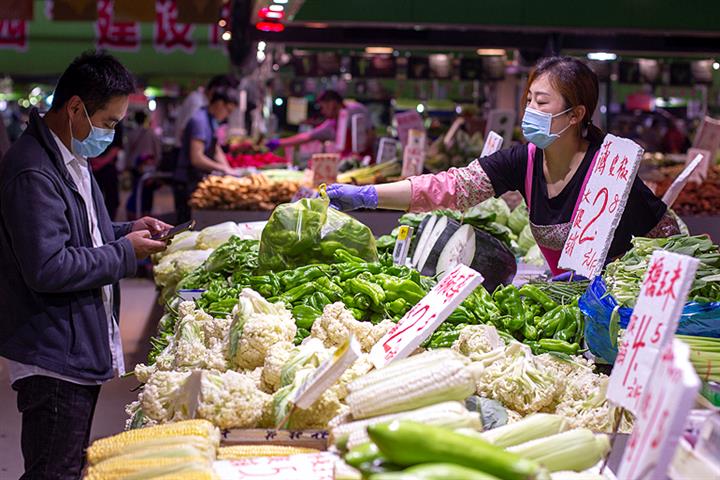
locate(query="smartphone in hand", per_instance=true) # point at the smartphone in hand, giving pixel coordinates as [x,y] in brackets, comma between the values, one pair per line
[169,234]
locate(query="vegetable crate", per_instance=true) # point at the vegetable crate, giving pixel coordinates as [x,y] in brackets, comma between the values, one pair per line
[317,439]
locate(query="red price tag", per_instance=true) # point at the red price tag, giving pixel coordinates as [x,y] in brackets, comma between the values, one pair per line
[603,197]
[419,323]
[661,415]
[654,320]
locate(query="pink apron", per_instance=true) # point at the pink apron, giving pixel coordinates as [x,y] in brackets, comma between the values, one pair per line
[551,238]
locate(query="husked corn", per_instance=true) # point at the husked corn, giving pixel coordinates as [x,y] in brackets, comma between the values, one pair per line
[247,451]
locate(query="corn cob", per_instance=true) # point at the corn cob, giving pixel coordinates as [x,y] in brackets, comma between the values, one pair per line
[577,450]
[143,468]
[450,379]
[236,452]
[180,447]
[193,472]
[120,443]
[401,367]
[538,425]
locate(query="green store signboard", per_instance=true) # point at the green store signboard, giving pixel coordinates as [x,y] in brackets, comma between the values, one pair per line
[164,48]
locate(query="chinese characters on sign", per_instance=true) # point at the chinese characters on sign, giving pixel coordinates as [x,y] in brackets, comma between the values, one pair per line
[320,466]
[602,202]
[414,154]
[114,35]
[419,323]
[661,416]
[13,35]
[406,121]
[325,168]
[653,322]
[169,35]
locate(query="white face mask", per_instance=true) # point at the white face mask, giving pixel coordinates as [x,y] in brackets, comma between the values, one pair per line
[536,127]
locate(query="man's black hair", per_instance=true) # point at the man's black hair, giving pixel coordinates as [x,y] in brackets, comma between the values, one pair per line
[219,81]
[225,94]
[330,96]
[96,78]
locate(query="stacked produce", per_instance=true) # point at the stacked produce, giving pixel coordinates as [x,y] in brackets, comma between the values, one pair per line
[244,152]
[464,149]
[695,198]
[253,192]
[704,355]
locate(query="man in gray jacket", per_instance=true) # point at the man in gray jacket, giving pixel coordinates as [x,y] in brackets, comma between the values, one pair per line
[61,259]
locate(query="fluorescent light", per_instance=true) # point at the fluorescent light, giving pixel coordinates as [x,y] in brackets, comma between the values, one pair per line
[276,8]
[490,51]
[716,66]
[379,50]
[601,56]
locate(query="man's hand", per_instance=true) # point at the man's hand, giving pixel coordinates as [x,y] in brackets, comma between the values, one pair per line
[153,225]
[143,245]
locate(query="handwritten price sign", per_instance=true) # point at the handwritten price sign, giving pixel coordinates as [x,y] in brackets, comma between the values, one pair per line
[679,183]
[419,323]
[602,202]
[320,466]
[493,143]
[654,320]
[406,121]
[414,154]
[325,168]
[660,420]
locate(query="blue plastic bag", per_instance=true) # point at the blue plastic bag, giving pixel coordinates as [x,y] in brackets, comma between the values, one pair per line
[699,319]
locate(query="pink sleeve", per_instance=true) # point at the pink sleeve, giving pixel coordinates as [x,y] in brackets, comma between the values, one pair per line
[456,189]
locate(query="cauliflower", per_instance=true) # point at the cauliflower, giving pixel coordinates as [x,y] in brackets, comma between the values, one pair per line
[175,266]
[361,366]
[277,355]
[256,326]
[475,340]
[336,323]
[310,354]
[516,382]
[584,404]
[162,395]
[231,400]
[144,372]
[318,415]
[192,348]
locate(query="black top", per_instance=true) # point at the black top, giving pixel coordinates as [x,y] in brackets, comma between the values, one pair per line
[507,169]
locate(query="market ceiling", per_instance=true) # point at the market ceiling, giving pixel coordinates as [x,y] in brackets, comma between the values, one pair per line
[553,25]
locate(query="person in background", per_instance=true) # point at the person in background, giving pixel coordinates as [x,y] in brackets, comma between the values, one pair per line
[104,167]
[200,152]
[61,259]
[675,139]
[331,103]
[560,97]
[144,152]
[199,98]
[4,138]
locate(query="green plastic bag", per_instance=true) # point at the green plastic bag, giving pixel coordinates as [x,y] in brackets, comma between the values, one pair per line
[308,232]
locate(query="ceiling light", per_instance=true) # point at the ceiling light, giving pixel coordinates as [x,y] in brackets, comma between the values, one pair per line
[379,50]
[490,51]
[276,8]
[222,23]
[716,66]
[601,56]
[226,36]
[281,1]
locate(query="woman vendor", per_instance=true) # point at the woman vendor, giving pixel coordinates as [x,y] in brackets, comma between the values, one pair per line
[549,171]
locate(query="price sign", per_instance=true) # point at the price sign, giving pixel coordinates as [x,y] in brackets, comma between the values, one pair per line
[708,137]
[402,245]
[359,133]
[493,143]
[406,121]
[449,138]
[700,173]
[502,122]
[414,154]
[343,125]
[660,420]
[324,168]
[318,466]
[387,150]
[419,323]
[679,183]
[327,373]
[602,201]
[654,320]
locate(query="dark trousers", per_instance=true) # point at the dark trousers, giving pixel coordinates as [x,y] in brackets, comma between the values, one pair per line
[56,420]
[182,192]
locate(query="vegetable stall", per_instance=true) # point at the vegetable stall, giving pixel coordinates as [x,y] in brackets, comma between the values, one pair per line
[506,387]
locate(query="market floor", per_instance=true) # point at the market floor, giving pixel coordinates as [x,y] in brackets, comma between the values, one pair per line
[138,318]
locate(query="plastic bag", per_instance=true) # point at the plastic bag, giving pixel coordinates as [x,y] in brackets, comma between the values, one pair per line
[602,321]
[309,231]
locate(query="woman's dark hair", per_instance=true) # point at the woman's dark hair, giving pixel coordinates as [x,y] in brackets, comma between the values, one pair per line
[225,95]
[577,84]
[95,77]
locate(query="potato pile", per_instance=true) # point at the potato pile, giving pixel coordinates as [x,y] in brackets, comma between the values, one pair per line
[254,192]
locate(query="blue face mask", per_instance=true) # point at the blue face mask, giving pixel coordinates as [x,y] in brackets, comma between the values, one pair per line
[95,143]
[536,127]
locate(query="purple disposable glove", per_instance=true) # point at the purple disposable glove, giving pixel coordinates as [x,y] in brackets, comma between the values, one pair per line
[567,277]
[273,144]
[350,197]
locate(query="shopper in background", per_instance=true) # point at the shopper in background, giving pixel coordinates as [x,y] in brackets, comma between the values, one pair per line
[61,259]
[561,96]
[200,152]
[143,153]
[331,103]
[105,169]
[199,98]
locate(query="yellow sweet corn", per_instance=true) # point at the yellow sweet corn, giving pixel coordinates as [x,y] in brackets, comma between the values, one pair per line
[236,452]
[144,468]
[132,440]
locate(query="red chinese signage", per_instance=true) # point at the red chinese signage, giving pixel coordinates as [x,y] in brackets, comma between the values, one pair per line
[169,35]
[114,35]
[14,35]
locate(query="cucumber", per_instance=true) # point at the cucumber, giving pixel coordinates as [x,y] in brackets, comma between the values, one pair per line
[409,443]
